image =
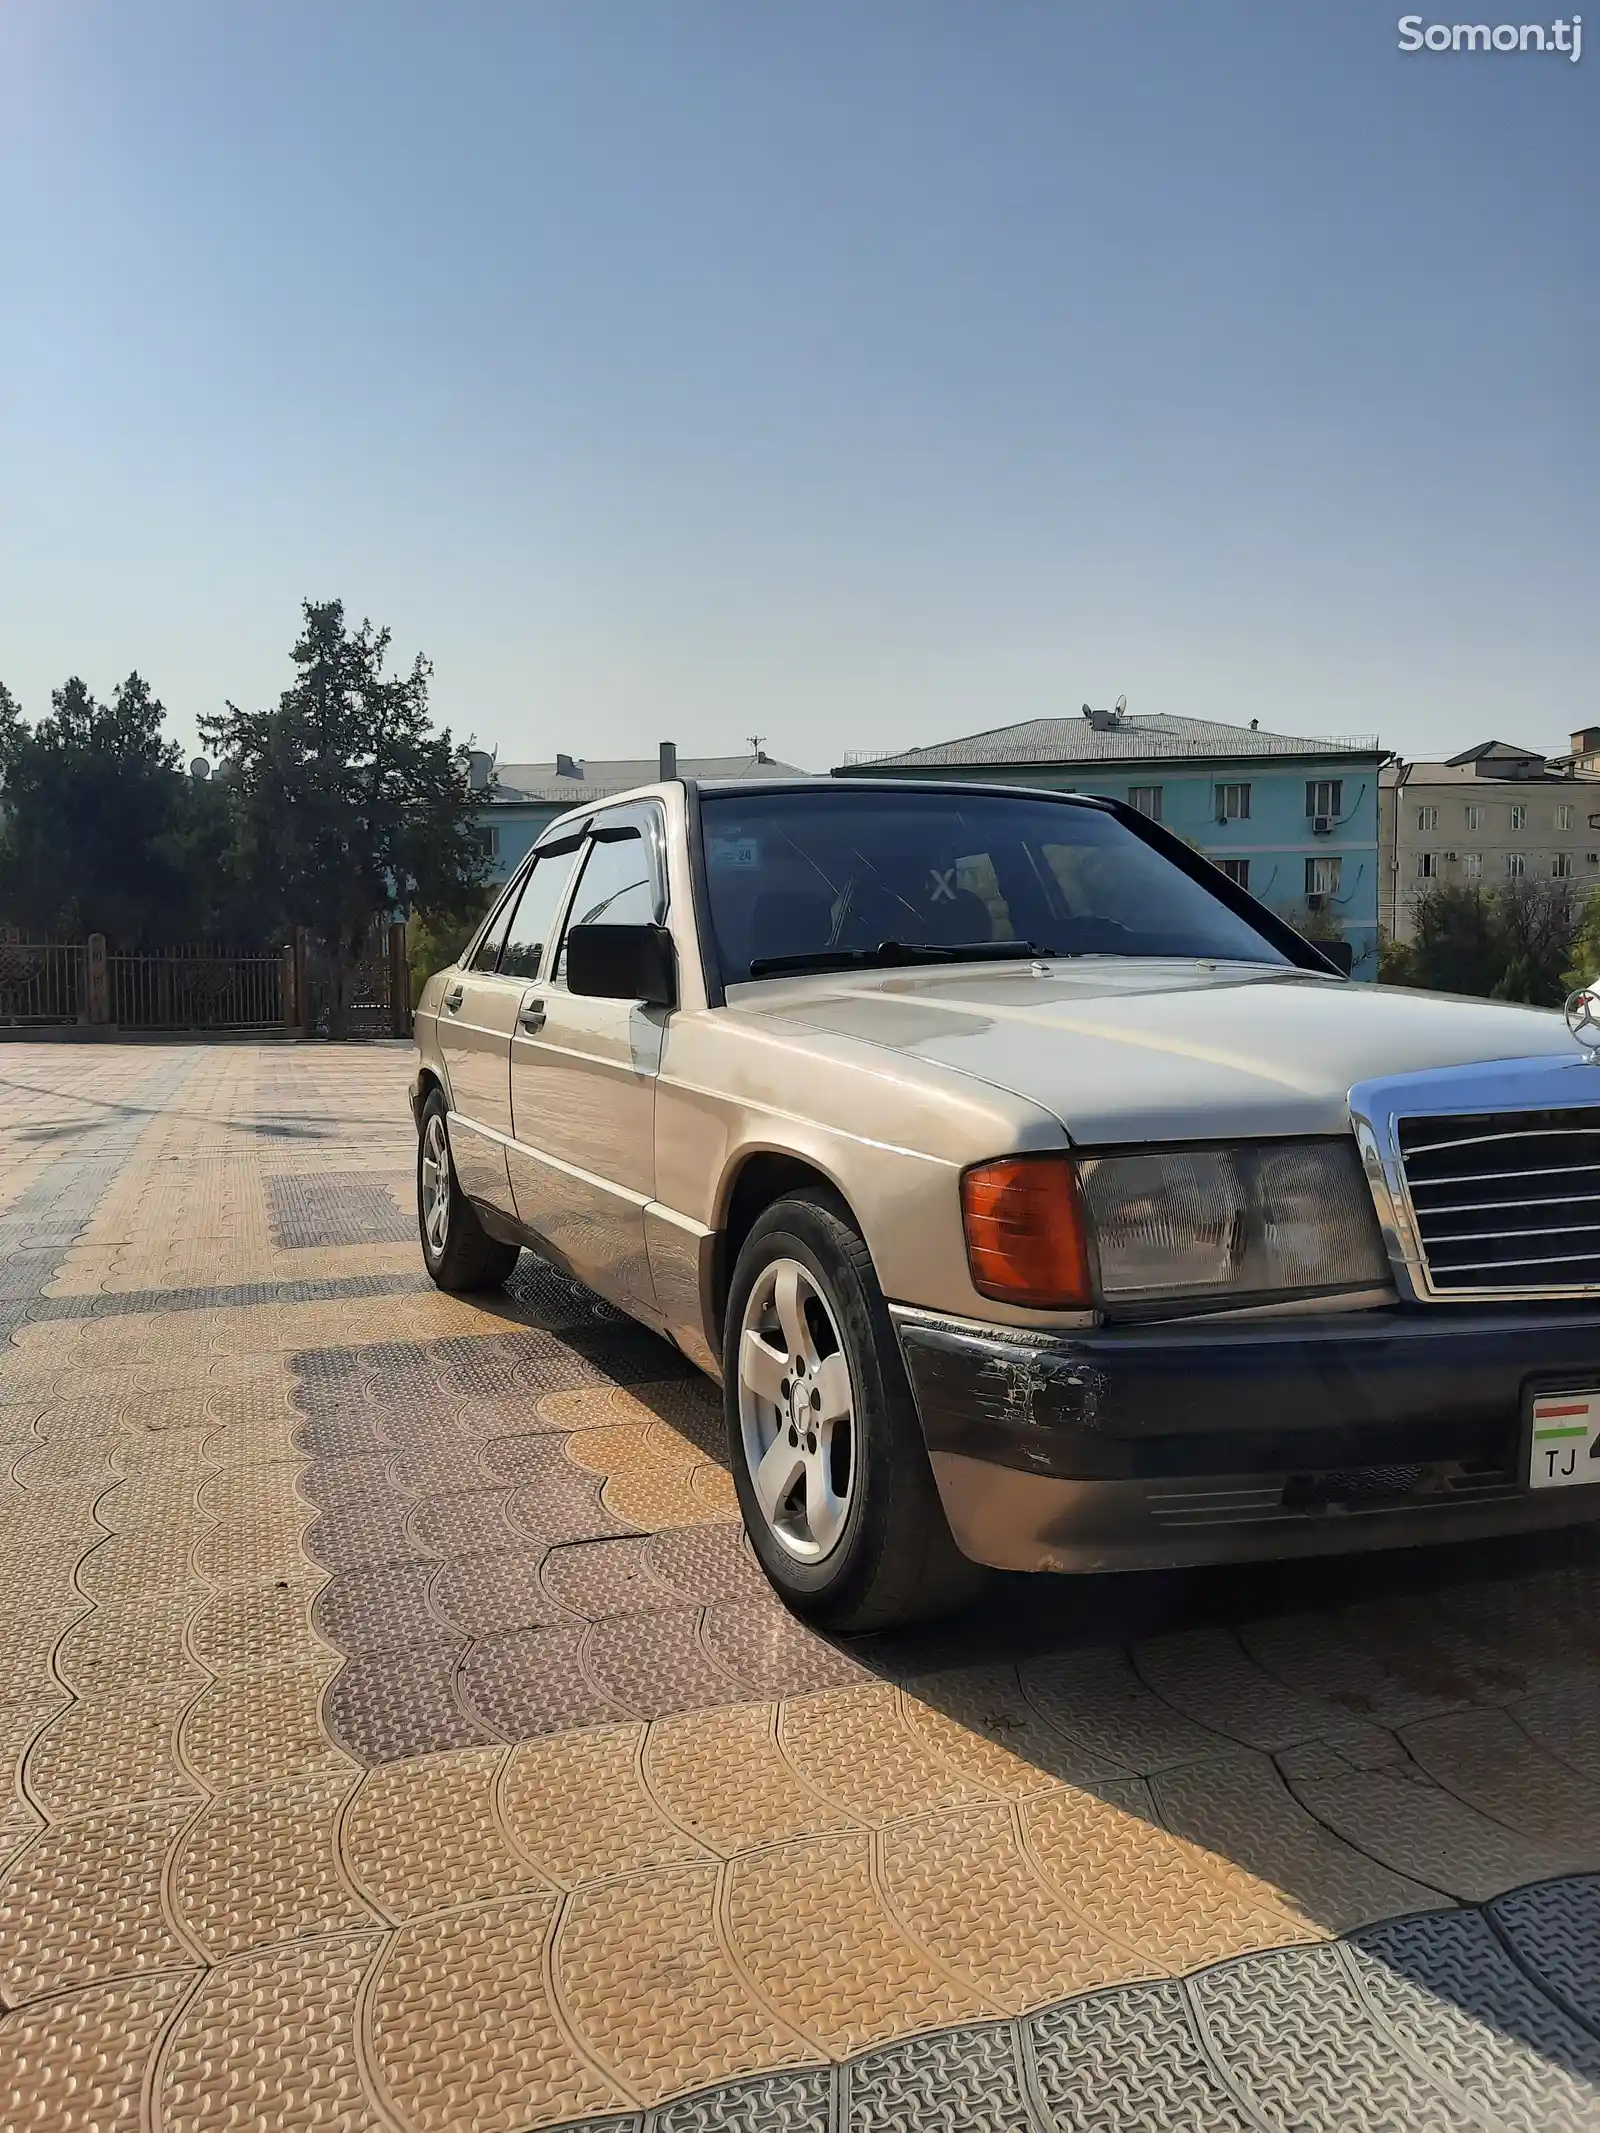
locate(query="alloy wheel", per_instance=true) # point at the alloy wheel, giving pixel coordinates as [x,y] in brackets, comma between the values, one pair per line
[435,1184]
[797,1420]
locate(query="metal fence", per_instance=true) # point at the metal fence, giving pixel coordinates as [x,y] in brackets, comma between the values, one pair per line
[195,989]
[43,982]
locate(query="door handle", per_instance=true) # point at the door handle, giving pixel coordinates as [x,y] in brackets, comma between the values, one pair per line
[532,1017]
[454,997]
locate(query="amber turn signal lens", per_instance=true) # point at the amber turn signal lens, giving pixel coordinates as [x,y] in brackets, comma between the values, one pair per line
[1026,1242]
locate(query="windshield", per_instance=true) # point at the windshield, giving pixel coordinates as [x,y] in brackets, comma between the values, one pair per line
[826,877]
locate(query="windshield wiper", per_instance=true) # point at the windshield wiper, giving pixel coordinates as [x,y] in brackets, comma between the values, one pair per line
[891,955]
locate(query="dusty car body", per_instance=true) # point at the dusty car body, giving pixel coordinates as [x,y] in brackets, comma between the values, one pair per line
[1319,1361]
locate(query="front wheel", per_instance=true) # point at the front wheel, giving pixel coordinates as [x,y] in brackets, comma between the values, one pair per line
[828,1459]
[457,1250]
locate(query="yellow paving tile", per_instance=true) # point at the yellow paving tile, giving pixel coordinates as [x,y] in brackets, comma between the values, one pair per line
[253,1729]
[271,2041]
[647,1981]
[965,1890]
[721,1777]
[578,1807]
[78,2064]
[424,1835]
[244,1628]
[132,1566]
[1174,1906]
[262,1866]
[853,1748]
[84,1903]
[977,1720]
[811,1929]
[27,1643]
[136,1642]
[118,1746]
[462,2032]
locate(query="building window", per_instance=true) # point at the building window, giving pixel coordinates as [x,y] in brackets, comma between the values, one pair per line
[1561,867]
[1427,866]
[1516,866]
[1324,796]
[1474,817]
[1564,818]
[1519,815]
[1472,865]
[1233,803]
[1237,870]
[1427,818]
[489,841]
[1322,877]
[1146,799]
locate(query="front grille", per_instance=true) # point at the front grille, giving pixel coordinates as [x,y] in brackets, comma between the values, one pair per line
[1506,1200]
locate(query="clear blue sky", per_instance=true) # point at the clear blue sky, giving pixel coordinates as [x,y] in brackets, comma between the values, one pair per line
[857,372]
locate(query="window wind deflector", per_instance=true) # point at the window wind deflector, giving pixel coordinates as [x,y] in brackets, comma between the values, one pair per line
[558,845]
[891,955]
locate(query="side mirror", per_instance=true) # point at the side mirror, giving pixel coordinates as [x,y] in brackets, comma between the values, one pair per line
[1339,953]
[623,963]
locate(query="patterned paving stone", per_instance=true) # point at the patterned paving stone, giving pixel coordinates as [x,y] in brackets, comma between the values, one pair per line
[533,1681]
[377,1606]
[499,1589]
[579,1805]
[655,1664]
[85,1903]
[78,2064]
[426,1835]
[1555,1933]
[350,1208]
[1130,2061]
[966,2078]
[401,1701]
[264,1865]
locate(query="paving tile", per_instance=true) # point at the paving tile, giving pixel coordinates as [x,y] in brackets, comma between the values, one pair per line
[272,2041]
[377,1606]
[84,1903]
[462,2030]
[246,1628]
[362,1530]
[425,1835]
[721,1777]
[707,1563]
[1486,1759]
[761,1644]
[652,1992]
[263,1865]
[1401,1818]
[852,1748]
[1237,1807]
[977,1720]
[797,2102]
[499,1589]
[1460,2004]
[1206,1674]
[533,1681]
[1131,2061]
[350,1207]
[1172,1906]
[814,1935]
[971,2078]
[254,1729]
[464,1521]
[401,1701]
[579,1807]
[1555,1932]
[137,1565]
[141,1641]
[78,2064]
[563,1505]
[965,1889]
[592,1579]
[1097,1700]
[120,1745]
[655,1664]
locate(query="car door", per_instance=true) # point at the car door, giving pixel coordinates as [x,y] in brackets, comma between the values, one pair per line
[476,1014]
[583,1079]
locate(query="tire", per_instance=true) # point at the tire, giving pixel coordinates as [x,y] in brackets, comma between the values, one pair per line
[457,1250]
[831,1470]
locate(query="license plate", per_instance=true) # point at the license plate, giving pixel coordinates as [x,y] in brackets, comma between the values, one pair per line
[1565,1452]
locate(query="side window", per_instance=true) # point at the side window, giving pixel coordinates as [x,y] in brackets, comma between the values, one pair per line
[487,952]
[526,943]
[615,888]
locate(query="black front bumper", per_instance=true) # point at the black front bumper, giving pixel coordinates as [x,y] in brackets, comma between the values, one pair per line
[1199,1442]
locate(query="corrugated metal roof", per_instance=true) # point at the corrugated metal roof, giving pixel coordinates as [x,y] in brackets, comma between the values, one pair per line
[1134,737]
[541,783]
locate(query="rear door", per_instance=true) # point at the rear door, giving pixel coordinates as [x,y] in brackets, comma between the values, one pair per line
[475,1021]
[583,1078]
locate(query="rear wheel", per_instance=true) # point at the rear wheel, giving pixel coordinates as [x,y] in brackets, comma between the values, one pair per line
[457,1250]
[828,1459]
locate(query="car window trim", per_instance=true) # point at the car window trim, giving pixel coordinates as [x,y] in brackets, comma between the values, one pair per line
[508,895]
[553,850]
[648,823]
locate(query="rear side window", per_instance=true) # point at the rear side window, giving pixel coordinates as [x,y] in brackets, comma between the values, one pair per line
[526,952]
[487,952]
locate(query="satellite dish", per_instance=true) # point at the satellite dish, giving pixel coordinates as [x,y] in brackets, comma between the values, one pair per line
[200,769]
[1122,705]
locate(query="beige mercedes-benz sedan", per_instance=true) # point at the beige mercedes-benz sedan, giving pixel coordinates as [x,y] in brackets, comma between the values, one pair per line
[1039,1199]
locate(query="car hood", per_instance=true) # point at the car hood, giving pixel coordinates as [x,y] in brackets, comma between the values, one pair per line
[1139,1051]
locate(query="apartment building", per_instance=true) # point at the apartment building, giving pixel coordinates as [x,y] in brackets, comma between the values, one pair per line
[1492,814]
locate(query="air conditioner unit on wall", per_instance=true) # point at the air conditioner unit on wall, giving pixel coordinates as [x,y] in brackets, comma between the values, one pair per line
[1322,825]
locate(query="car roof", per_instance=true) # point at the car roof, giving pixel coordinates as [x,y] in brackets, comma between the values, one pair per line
[747,788]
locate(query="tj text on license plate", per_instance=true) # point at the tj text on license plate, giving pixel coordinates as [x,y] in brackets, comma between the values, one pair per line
[1565,1450]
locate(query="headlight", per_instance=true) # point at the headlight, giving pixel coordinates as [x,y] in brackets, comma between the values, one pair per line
[1226,1222]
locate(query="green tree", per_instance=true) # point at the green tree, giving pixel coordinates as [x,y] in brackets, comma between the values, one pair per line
[348,805]
[1455,948]
[1583,966]
[1534,926]
[94,820]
